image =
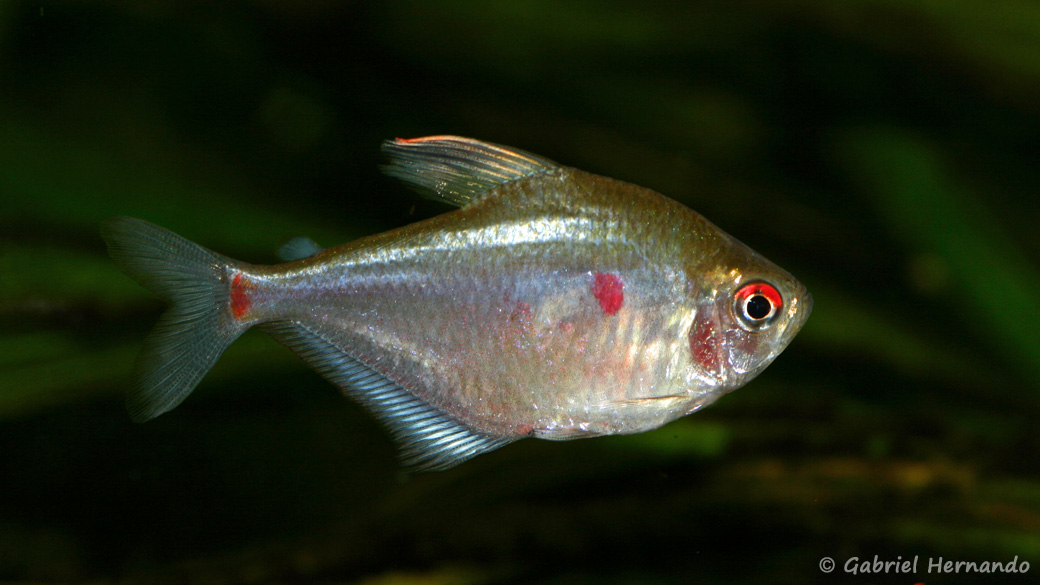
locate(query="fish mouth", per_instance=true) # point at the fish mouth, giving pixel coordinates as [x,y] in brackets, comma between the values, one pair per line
[803,306]
[798,313]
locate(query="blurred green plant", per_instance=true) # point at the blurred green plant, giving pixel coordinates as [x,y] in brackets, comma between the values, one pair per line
[987,283]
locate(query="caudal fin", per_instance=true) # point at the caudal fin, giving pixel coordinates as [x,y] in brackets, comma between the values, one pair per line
[196,328]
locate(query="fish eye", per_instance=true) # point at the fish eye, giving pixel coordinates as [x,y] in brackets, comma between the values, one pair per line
[757,305]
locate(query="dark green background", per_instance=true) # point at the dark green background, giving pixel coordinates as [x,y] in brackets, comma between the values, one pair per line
[884,152]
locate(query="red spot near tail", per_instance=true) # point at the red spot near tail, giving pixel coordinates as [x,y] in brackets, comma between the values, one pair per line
[607,289]
[240,303]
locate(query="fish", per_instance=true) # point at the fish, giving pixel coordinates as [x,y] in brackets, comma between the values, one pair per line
[553,303]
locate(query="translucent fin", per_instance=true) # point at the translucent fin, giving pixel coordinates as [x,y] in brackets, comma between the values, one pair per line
[458,170]
[298,248]
[195,330]
[428,439]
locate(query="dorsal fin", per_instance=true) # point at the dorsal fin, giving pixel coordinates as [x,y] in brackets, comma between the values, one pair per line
[458,170]
[428,439]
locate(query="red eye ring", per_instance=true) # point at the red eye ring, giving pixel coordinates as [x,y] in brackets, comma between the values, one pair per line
[756,305]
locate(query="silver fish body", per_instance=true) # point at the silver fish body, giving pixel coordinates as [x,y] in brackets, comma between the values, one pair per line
[555,304]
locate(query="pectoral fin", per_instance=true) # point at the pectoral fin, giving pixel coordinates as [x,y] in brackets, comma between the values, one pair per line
[654,400]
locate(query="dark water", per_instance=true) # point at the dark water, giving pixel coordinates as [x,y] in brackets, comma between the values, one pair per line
[882,152]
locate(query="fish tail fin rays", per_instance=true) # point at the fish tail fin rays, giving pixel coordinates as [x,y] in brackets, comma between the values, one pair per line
[458,170]
[196,328]
[427,439]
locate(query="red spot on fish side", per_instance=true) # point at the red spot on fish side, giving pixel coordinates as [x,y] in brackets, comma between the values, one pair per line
[521,313]
[240,303]
[608,290]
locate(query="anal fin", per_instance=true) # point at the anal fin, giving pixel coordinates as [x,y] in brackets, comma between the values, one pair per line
[428,439]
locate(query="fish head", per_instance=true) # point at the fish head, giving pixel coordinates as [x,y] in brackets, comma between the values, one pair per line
[746,311]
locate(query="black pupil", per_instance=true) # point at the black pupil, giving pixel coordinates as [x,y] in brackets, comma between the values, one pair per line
[758,307]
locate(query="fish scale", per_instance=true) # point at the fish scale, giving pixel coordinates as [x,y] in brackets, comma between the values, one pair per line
[554,303]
